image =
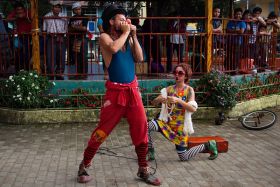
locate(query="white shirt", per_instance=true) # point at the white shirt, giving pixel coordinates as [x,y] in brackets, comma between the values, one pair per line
[55,25]
[176,38]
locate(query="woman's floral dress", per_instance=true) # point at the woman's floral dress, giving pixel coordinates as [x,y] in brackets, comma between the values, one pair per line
[173,129]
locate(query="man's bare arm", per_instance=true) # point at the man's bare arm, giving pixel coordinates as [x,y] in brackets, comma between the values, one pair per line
[113,46]
[137,50]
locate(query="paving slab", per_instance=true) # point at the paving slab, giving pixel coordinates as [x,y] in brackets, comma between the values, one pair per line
[49,155]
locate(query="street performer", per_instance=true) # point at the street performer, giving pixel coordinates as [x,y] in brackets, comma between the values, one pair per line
[120,49]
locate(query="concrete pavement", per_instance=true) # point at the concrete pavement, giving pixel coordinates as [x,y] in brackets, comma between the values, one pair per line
[49,155]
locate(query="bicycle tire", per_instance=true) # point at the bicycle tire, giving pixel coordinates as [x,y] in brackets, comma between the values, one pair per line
[259,120]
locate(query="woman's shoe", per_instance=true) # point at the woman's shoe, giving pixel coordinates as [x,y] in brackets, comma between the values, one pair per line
[212,147]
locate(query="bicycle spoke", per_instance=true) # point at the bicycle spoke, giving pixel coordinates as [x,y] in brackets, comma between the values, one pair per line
[258,120]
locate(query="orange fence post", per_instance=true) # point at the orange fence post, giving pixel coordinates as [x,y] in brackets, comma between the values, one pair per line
[35,36]
[209,31]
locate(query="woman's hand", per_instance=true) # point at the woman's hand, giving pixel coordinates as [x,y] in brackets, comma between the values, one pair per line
[158,100]
[172,99]
[161,99]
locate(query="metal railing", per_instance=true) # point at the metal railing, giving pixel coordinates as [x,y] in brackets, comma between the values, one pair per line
[76,56]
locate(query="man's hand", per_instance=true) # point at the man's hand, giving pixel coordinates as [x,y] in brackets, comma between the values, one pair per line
[133,30]
[132,27]
[125,27]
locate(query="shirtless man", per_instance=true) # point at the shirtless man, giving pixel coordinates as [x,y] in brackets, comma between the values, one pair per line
[120,49]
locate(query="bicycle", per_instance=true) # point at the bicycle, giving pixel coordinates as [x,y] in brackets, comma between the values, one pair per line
[256,120]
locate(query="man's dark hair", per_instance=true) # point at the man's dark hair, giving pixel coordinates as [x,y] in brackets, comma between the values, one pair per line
[272,15]
[257,9]
[19,5]
[216,7]
[109,13]
[247,11]
[238,10]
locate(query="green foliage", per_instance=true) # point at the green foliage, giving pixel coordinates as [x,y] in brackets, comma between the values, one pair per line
[257,87]
[25,90]
[219,89]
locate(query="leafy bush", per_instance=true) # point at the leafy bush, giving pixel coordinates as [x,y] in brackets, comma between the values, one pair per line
[219,89]
[27,89]
[258,87]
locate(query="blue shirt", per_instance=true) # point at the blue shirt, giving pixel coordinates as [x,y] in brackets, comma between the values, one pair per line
[216,23]
[121,68]
[236,25]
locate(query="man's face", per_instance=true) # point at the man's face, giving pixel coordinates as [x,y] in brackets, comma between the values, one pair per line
[20,12]
[237,15]
[117,20]
[77,11]
[256,14]
[216,12]
[56,9]
[247,16]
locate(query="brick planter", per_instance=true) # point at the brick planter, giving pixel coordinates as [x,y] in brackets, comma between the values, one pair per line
[43,116]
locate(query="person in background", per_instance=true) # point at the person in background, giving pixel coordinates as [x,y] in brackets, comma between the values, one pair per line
[256,22]
[268,36]
[22,36]
[120,49]
[79,44]
[100,28]
[235,28]
[175,123]
[217,23]
[272,22]
[247,18]
[3,32]
[55,27]
[151,44]
[217,29]
[5,48]
[99,25]
[264,40]
[177,40]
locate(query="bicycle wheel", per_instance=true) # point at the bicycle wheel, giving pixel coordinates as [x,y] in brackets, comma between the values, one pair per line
[258,120]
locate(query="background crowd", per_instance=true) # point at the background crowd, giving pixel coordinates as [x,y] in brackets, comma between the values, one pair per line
[247,36]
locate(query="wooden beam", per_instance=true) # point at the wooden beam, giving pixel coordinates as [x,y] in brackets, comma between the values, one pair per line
[35,36]
[209,32]
[276,7]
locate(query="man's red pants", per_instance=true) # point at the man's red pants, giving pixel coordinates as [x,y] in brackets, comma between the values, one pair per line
[121,100]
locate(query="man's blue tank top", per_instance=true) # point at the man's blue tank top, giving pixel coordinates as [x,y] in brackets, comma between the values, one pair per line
[121,68]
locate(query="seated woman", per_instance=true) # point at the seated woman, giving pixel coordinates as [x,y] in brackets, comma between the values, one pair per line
[174,123]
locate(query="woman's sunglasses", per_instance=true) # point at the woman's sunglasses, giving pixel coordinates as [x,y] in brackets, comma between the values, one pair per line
[179,73]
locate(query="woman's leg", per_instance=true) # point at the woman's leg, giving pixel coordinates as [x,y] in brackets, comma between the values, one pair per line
[185,154]
[152,126]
